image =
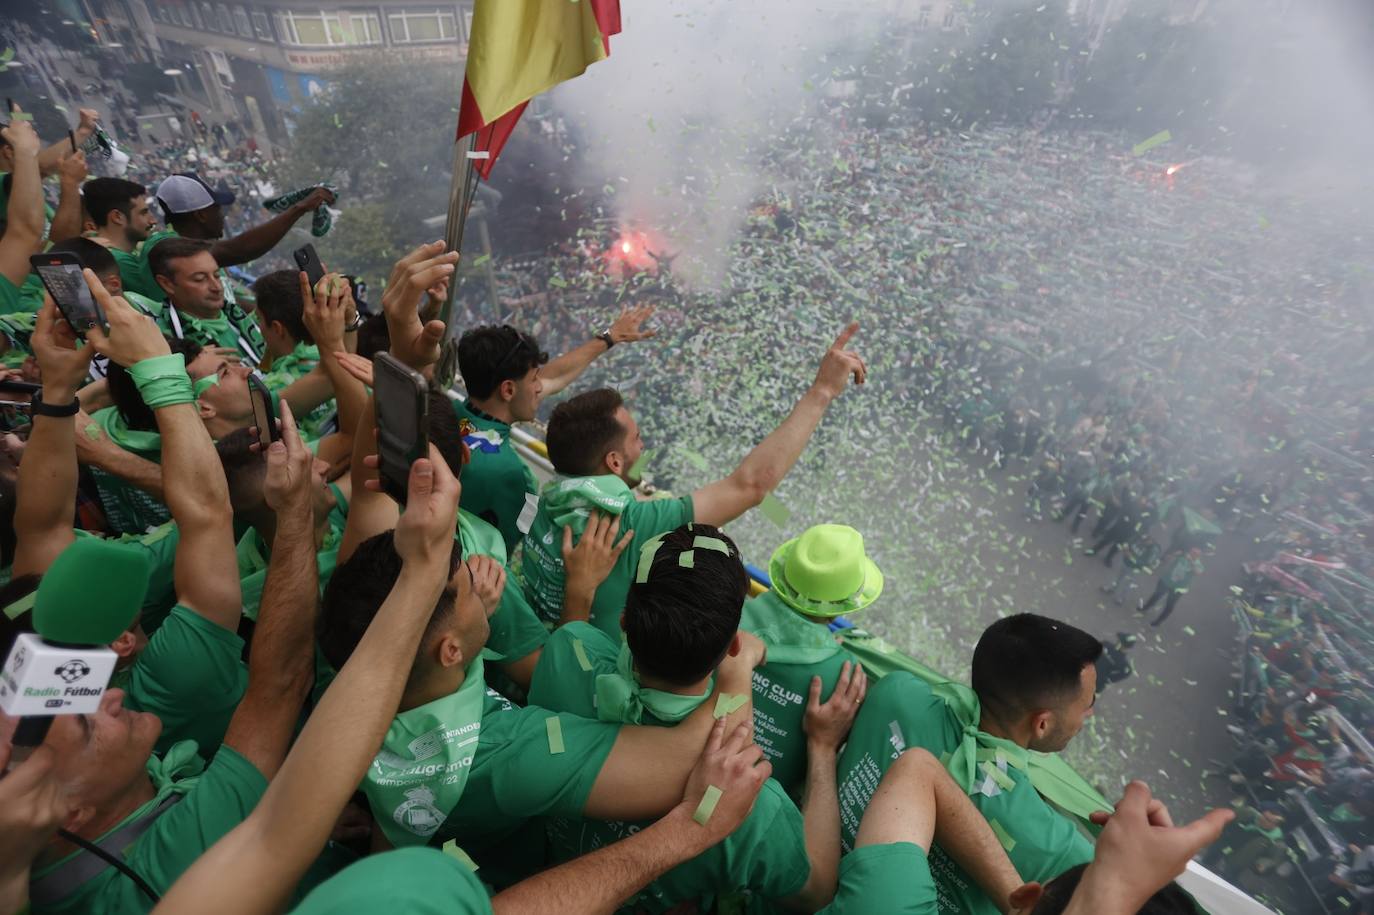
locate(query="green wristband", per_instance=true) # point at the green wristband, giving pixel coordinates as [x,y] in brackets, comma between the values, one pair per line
[162,381]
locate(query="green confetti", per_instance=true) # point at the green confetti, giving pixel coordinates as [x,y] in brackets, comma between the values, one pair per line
[775,511]
[481,260]
[558,281]
[637,468]
[337,122]
[696,460]
[7,55]
[1190,630]
[1146,145]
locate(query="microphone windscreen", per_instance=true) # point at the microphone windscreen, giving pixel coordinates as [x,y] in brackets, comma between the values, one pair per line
[91,593]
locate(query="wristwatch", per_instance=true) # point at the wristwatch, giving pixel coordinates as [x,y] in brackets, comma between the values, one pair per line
[358,321]
[39,408]
[605,337]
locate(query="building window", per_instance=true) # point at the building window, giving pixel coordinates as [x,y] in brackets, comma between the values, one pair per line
[949,17]
[207,13]
[226,19]
[241,22]
[162,13]
[329,28]
[415,25]
[923,20]
[262,25]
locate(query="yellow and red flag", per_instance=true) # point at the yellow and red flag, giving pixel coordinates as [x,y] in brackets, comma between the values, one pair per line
[520,48]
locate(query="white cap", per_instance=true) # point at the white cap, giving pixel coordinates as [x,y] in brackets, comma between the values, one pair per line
[187,193]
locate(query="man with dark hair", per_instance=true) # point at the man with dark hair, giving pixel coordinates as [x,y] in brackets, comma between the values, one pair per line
[119,208]
[681,621]
[196,306]
[1033,687]
[507,376]
[195,210]
[595,446]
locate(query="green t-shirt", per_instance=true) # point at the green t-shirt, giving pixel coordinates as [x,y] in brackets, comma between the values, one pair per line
[496,482]
[893,879]
[901,711]
[137,273]
[128,509]
[294,365]
[9,296]
[233,328]
[766,855]
[515,629]
[26,298]
[516,775]
[568,501]
[214,803]
[409,881]
[797,651]
[192,676]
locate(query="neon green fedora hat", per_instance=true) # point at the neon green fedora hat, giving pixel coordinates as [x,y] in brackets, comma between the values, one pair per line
[825,572]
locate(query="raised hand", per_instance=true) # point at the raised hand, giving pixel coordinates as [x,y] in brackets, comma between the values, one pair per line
[414,342]
[627,327]
[588,564]
[132,335]
[839,364]
[827,724]
[21,137]
[359,366]
[425,532]
[735,767]
[326,309]
[290,480]
[62,359]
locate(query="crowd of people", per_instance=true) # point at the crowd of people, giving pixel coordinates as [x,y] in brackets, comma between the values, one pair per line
[485,695]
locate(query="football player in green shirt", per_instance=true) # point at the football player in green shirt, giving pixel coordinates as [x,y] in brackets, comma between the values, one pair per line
[506,376]
[594,444]
[681,619]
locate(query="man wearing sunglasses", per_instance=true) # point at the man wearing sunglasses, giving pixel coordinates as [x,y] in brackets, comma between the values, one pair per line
[507,375]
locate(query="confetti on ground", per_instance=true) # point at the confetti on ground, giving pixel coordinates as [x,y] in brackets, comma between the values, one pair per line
[1146,145]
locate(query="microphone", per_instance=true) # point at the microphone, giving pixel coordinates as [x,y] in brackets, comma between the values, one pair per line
[88,597]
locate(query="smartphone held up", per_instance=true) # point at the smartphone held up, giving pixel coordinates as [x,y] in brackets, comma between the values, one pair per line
[401,397]
[62,277]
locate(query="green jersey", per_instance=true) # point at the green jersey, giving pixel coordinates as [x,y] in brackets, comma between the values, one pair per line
[498,486]
[413,881]
[797,651]
[211,803]
[765,856]
[903,711]
[290,367]
[893,879]
[568,502]
[192,676]
[128,508]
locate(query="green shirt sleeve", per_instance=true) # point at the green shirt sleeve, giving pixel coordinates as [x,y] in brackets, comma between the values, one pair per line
[517,775]
[9,296]
[416,881]
[647,519]
[134,269]
[561,683]
[515,629]
[192,676]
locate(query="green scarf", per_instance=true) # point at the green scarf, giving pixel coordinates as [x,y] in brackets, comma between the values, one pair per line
[570,500]
[119,432]
[620,698]
[419,774]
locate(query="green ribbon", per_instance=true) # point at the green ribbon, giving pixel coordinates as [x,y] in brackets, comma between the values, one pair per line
[621,699]
[162,381]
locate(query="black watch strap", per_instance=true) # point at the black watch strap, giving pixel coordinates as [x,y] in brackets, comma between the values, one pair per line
[56,410]
[605,337]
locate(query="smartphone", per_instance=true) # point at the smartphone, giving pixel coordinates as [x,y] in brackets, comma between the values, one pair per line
[71,138]
[264,417]
[11,386]
[309,261]
[402,402]
[61,275]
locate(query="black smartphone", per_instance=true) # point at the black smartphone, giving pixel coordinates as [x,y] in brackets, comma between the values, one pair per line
[11,386]
[71,138]
[402,401]
[61,275]
[264,417]
[309,261]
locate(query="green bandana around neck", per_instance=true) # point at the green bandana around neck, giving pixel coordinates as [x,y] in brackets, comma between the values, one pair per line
[418,776]
[119,432]
[570,500]
[621,699]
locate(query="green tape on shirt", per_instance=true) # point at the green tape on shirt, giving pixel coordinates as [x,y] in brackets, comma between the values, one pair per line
[555,728]
[775,511]
[452,849]
[729,702]
[581,654]
[1008,843]
[24,604]
[709,800]
[687,559]
[637,468]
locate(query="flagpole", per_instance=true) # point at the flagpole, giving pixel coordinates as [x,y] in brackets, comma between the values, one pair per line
[461,191]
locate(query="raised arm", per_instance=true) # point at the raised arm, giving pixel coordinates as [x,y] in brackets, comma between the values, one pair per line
[255,242]
[763,468]
[563,371]
[193,484]
[602,880]
[66,222]
[325,312]
[827,725]
[48,471]
[258,864]
[647,766]
[24,226]
[281,665]
[50,158]
[95,450]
